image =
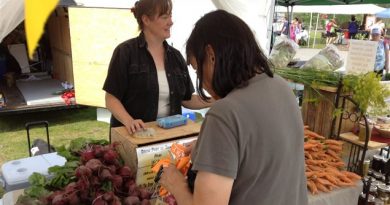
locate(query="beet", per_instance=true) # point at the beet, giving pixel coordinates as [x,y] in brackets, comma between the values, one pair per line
[131,200]
[144,193]
[170,200]
[104,174]
[145,202]
[136,193]
[71,187]
[59,200]
[94,164]
[108,196]
[116,201]
[94,181]
[73,198]
[110,156]
[98,151]
[99,201]
[117,181]
[83,184]
[83,171]
[112,169]
[87,155]
[132,188]
[125,171]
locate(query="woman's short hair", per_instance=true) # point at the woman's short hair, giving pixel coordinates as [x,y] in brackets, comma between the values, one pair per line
[150,8]
[238,56]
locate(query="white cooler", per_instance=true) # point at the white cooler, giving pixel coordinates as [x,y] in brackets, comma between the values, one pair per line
[16,172]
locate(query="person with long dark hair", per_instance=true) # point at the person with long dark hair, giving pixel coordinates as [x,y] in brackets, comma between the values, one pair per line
[147,78]
[250,147]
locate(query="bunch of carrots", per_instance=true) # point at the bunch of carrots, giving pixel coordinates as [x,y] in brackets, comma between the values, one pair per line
[324,166]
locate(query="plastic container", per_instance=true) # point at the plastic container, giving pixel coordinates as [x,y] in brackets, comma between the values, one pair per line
[172,121]
[16,172]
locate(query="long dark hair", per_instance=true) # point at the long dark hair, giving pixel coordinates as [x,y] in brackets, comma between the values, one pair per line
[238,57]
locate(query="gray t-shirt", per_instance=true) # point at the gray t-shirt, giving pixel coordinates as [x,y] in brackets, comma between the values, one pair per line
[255,136]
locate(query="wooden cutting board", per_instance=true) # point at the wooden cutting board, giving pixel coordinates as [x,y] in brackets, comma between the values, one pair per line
[191,128]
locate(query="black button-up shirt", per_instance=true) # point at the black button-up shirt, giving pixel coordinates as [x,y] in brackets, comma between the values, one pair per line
[132,78]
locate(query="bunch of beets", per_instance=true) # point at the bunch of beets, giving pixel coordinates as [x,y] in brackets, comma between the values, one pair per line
[101,180]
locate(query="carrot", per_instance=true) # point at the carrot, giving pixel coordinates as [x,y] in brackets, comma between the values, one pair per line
[313,134]
[163,162]
[163,192]
[315,168]
[182,162]
[308,146]
[333,142]
[339,164]
[321,187]
[333,154]
[309,174]
[351,175]
[312,187]
[308,155]
[323,181]
[331,179]
[336,148]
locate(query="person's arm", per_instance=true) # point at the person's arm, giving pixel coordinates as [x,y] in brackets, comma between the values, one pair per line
[196,103]
[209,189]
[120,113]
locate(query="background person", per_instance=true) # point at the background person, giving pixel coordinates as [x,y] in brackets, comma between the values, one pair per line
[243,155]
[147,78]
[353,27]
[331,34]
[382,53]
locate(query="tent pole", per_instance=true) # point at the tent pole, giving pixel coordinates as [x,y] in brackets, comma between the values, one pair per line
[315,32]
[311,19]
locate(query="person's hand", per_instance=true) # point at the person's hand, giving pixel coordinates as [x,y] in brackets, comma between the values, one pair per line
[134,125]
[173,180]
[189,147]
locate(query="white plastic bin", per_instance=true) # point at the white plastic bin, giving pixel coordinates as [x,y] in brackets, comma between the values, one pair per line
[16,172]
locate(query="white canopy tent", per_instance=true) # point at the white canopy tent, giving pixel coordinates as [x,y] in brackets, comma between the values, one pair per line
[332,9]
[11,15]
[257,14]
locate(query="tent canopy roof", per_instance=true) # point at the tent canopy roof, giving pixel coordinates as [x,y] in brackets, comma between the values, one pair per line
[328,2]
[335,9]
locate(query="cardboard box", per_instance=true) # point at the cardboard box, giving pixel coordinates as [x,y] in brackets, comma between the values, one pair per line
[141,153]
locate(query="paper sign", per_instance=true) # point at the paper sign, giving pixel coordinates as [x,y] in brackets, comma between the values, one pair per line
[361,56]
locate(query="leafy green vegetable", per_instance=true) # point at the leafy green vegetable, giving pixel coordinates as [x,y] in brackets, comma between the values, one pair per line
[365,89]
[107,186]
[37,179]
[37,188]
[62,151]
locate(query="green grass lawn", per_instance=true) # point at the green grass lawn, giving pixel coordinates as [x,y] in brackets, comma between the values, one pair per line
[64,126]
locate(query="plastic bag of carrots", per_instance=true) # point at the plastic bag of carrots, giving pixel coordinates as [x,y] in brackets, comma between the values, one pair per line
[178,157]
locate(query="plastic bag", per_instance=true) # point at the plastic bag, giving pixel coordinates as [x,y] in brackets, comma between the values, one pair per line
[283,52]
[328,58]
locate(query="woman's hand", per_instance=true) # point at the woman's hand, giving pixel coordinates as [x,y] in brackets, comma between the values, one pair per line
[189,147]
[134,125]
[173,180]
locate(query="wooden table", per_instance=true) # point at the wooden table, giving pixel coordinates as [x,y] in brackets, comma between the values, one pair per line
[352,138]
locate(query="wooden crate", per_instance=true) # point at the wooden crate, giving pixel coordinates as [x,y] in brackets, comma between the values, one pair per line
[141,154]
[318,109]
